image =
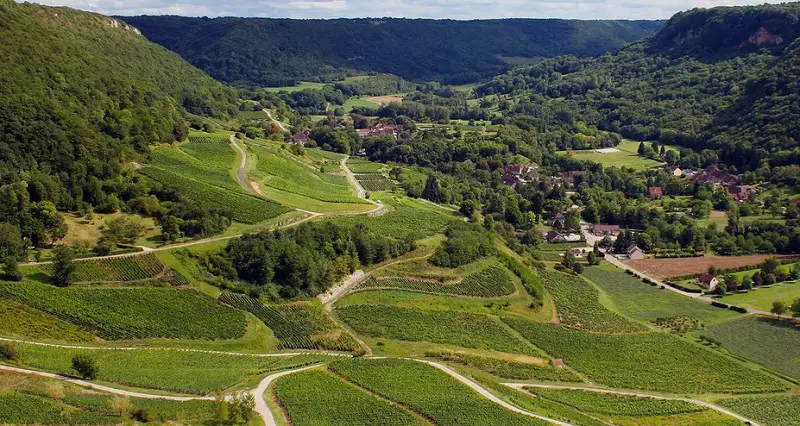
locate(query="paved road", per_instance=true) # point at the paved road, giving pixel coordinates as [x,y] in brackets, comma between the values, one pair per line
[108,389]
[241,172]
[636,394]
[258,393]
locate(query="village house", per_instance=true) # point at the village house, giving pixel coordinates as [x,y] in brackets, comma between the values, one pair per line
[514,175]
[558,237]
[570,176]
[635,253]
[558,363]
[741,193]
[557,220]
[601,230]
[578,253]
[655,193]
[708,281]
[300,138]
[716,176]
[519,170]
[378,130]
[677,172]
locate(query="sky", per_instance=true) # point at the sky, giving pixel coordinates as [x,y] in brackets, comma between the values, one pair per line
[438,9]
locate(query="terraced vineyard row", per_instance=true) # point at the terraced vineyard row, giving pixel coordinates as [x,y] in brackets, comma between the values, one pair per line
[244,208]
[208,139]
[119,313]
[489,282]
[463,329]
[578,305]
[116,269]
[650,361]
[374,182]
[297,326]
[429,392]
[618,405]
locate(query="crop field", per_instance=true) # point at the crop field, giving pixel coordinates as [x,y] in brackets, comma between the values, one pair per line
[197,373]
[406,219]
[623,405]
[775,345]
[641,301]
[762,297]
[244,208]
[374,182]
[22,408]
[489,282]
[117,313]
[650,361]
[778,410]
[364,166]
[508,369]
[358,102]
[207,159]
[463,329]
[625,156]
[666,268]
[298,325]
[319,398]
[46,397]
[302,85]
[22,321]
[429,392]
[578,305]
[285,173]
[122,269]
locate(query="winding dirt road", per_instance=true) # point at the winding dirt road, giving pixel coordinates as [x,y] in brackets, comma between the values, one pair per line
[258,393]
[108,389]
[269,114]
[522,386]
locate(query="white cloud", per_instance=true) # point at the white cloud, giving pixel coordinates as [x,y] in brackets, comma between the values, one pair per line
[453,9]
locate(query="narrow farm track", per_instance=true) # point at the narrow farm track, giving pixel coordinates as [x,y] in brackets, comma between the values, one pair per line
[258,393]
[108,389]
[709,405]
[360,191]
[241,172]
[205,351]
[485,393]
[269,114]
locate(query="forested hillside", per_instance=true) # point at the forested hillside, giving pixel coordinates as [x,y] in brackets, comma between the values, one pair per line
[278,51]
[82,94]
[719,79]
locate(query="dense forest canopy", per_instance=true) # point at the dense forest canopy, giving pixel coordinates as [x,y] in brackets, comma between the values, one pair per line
[81,95]
[277,52]
[673,89]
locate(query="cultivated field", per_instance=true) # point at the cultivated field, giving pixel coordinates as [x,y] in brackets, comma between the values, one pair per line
[492,281]
[624,155]
[665,268]
[383,100]
[783,410]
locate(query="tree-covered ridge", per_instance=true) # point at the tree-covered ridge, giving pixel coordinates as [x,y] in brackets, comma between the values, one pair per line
[81,95]
[725,31]
[743,108]
[279,51]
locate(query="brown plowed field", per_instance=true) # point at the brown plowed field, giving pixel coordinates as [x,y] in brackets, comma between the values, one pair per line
[383,100]
[665,268]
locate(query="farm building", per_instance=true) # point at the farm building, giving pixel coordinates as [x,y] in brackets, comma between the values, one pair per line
[519,170]
[655,192]
[741,193]
[708,281]
[606,230]
[578,253]
[716,176]
[557,220]
[558,237]
[558,362]
[677,172]
[635,253]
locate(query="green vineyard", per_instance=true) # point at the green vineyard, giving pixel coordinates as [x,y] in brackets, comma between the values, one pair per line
[118,313]
[297,326]
[364,166]
[374,182]
[120,269]
[489,282]
[578,305]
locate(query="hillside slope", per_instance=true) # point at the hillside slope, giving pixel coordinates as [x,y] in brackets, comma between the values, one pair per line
[276,51]
[80,95]
[721,79]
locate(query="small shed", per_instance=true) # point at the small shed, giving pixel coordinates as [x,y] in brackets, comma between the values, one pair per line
[558,363]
